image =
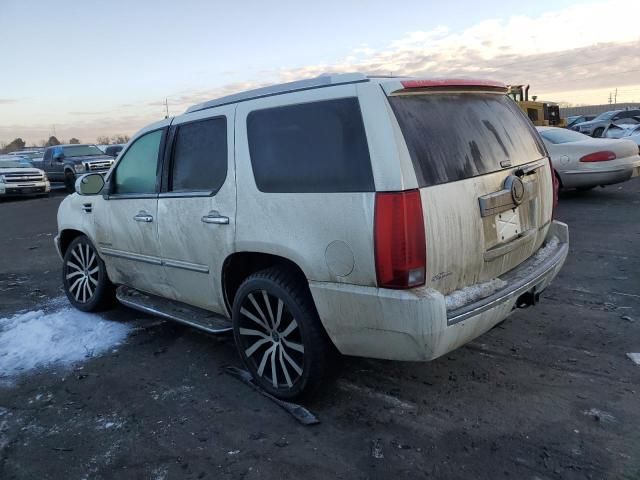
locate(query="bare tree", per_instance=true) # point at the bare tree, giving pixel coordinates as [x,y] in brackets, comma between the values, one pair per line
[14,145]
[52,141]
[74,141]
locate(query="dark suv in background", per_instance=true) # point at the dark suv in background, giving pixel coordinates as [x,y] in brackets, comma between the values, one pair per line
[63,162]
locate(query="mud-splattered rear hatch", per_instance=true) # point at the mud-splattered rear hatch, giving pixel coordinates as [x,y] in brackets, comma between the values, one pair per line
[484,180]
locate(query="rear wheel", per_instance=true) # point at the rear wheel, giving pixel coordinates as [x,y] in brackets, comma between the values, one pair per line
[84,277]
[70,181]
[279,335]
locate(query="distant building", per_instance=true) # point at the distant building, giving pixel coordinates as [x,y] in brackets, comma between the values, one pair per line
[596,109]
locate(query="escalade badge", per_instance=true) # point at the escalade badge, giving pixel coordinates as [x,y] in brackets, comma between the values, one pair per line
[516,187]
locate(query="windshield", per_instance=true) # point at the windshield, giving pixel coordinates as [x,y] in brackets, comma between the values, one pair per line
[81,151]
[15,164]
[560,135]
[605,115]
[461,135]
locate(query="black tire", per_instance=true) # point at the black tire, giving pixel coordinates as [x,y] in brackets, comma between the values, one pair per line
[297,325]
[597,133]
[70,181]
[84,277]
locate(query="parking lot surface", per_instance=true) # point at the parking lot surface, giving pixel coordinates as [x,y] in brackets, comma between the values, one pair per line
[548,394]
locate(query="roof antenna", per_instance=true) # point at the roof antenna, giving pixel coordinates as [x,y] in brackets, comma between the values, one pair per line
[166,104]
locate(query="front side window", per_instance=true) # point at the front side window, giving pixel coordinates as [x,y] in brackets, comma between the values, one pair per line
[137,170]
[199,160]
[310,147]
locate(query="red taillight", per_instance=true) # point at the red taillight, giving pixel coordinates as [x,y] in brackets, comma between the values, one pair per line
[599,157]
[452,82]
[400,247]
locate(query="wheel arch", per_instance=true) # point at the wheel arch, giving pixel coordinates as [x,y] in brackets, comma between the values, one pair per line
[67,236]
[239,265]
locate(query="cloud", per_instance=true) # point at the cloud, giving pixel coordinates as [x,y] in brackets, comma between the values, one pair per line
[6,101]
[570,54]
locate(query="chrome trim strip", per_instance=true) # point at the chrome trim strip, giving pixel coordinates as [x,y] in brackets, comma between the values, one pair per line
[138,257]
[622,168]
[516,289]
[194,267]
[186,194]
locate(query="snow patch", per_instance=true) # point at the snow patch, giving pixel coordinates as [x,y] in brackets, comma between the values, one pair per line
[475,292]
[634,357]
[472,293]
[39,339]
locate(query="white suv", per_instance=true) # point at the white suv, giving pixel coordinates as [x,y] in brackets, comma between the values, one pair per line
[383,217]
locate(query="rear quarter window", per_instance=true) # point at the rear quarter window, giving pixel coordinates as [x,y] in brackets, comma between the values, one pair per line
[310,147]
[455,136]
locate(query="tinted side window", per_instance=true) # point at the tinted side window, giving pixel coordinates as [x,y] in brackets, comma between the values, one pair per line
[310,147]
[48,154]
[200,156]
[136,171]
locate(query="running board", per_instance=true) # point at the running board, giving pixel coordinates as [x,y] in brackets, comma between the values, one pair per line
[173,310]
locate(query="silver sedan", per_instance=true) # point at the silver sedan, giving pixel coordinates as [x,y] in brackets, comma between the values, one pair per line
[583,162]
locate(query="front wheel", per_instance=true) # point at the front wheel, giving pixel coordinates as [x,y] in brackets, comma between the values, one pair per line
[279,335]
[84,277]
[597,133]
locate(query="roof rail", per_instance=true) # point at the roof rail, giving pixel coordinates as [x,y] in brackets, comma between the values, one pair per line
[317,82]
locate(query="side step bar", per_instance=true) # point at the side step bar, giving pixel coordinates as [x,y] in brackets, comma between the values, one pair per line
[180,312]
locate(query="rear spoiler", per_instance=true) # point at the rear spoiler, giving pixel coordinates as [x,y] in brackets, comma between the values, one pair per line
[410,86]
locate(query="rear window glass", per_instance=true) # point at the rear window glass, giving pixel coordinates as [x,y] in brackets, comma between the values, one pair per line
[561,135]
[310,147]
[460,135]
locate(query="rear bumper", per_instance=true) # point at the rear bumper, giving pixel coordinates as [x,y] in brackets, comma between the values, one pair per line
[605,175]
[414,324]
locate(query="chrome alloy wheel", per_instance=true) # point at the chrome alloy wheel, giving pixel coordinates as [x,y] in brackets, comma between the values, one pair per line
[81,271]
[271,339]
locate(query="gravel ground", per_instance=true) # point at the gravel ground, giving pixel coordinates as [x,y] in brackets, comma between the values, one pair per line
[548,394]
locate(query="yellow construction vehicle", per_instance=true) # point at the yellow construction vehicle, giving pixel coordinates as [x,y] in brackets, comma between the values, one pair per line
[542,114]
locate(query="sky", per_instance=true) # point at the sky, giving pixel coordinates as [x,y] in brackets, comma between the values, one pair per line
[90,68]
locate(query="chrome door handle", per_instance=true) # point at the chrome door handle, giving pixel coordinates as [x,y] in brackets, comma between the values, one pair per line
[215,217]
[143,217]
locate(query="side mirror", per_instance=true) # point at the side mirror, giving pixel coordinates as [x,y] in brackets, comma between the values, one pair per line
[90,184]
[58,156]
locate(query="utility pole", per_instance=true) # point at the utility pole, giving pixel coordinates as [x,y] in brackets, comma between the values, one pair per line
[609,98]
[615,101]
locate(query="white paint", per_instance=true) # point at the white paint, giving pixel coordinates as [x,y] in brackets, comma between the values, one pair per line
[37,339]
[634,357]
[472,293]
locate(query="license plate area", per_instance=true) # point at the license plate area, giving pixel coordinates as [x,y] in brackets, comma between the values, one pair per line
[508,225]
